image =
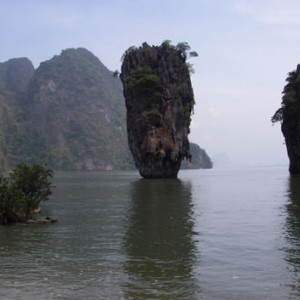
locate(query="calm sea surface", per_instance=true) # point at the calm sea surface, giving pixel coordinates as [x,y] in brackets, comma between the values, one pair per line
[211,234]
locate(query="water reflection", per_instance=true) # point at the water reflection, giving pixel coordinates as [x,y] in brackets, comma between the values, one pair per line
[159,242]
[292,228]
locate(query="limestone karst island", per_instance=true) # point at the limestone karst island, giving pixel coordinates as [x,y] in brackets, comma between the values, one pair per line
[159,101]
[289,117]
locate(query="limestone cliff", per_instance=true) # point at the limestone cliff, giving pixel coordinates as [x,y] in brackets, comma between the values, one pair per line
[69,113]
[75,114]
[289,116]
[15,74]
[159,101]
[200,159]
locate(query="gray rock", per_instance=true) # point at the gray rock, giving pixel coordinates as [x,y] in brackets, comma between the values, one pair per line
[159,100]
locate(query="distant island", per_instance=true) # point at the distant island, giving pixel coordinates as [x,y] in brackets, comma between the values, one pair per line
[200,159]
[68,114]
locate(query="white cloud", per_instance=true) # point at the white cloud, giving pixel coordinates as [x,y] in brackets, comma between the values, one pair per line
[281,12]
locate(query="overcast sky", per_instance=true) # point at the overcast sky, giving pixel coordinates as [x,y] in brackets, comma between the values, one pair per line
[246,48]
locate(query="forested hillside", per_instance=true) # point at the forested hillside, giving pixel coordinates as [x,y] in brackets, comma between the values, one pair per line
[68,114]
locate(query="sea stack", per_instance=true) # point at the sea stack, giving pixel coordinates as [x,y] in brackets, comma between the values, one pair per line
[159,101]
[289,117]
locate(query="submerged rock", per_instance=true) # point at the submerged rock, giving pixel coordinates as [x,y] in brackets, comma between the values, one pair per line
[159,100]
[47,220]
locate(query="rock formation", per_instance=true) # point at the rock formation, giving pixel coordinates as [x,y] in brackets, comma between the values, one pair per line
[85,114]
[200,159]
[159,101]
[69,113]
[289,116]
[15,74]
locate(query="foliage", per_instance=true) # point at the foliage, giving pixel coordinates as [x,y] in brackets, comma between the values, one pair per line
[278,116]
[22,191]
[184,51]
[145,82]
[116,73]
[11,201]
[290,104]
[183,48]
[152,117]
[34,183]
[128,51]
[166,43]
[193,54]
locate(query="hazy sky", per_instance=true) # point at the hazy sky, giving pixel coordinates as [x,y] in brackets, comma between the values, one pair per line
[246,48]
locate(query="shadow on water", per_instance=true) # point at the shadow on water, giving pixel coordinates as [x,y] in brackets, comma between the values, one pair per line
[292,227]
[159,242]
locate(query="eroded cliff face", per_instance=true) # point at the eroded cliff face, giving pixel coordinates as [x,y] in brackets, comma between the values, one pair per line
[76,114]
[159,101]
[289,116]
[69,114]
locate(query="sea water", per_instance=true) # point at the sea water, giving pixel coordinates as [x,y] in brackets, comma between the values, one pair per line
[210,234]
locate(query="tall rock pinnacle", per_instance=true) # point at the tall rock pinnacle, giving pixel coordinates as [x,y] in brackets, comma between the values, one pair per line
[159,101]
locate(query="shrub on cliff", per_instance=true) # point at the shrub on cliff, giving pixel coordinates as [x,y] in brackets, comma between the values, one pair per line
[22,191]
[289,110]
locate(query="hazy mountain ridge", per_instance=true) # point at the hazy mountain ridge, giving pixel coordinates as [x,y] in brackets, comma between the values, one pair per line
[69,113]
[71,116]
[15,75]
[200,159]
